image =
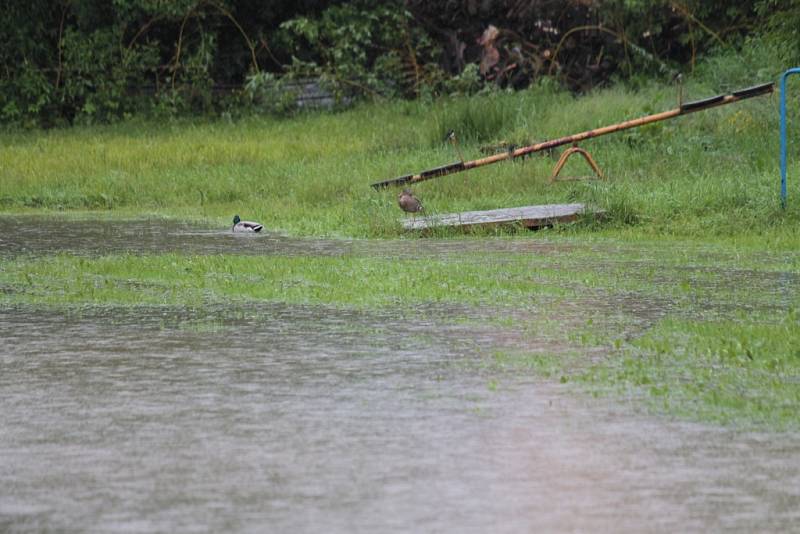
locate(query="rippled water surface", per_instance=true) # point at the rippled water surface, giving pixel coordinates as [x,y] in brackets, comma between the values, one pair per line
[312,419]
[32,235]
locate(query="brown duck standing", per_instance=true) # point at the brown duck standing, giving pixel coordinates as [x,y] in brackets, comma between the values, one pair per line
[408,202]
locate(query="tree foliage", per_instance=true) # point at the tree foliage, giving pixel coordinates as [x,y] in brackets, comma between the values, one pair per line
[81,61]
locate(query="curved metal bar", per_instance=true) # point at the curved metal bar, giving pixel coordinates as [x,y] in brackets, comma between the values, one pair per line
[566,155]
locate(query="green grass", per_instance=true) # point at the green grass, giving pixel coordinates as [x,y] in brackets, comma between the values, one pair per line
[572,269]
[709,173]
[726,371]
[190,280]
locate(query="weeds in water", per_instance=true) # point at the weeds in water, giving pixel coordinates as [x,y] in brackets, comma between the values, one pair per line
[726,371]
[665,321]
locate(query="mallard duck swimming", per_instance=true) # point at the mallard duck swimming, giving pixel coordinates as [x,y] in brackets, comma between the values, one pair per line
[245,226]
[408,202]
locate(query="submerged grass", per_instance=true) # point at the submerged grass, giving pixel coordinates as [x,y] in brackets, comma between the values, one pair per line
[710,336]
[192,280]
[610,269]
[727,371]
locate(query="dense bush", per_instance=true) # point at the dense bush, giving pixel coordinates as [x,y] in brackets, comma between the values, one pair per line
[83,61]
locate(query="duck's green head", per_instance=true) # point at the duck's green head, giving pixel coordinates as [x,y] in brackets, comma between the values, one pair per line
[236,219]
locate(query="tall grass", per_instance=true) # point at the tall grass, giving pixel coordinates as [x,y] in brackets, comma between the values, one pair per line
[713,172]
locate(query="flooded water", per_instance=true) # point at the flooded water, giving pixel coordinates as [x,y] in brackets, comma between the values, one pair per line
[29,235]
[287,418]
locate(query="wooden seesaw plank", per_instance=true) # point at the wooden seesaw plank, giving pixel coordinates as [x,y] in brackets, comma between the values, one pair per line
[529,216]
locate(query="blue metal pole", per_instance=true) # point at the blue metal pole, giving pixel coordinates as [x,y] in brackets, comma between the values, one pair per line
[795,70]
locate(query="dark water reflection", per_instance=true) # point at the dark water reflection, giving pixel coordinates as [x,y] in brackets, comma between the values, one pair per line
[306,419]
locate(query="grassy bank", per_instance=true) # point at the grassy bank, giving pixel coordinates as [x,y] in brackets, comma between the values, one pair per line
[710,173]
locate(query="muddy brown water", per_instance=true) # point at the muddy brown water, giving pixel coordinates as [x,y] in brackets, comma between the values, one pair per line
[288,418]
